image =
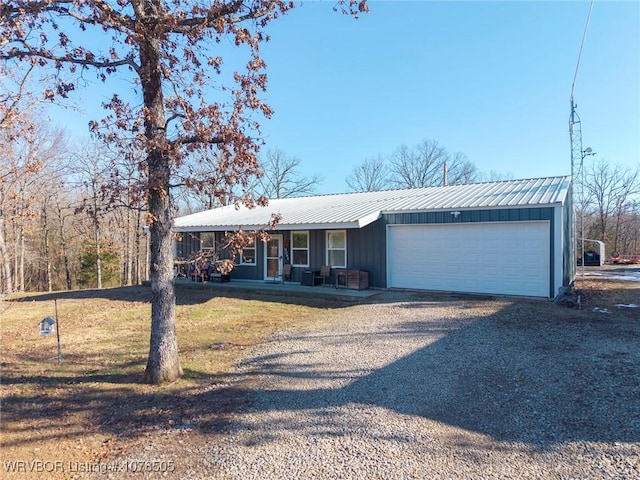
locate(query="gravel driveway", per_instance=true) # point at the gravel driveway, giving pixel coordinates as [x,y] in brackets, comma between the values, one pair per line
[418,386]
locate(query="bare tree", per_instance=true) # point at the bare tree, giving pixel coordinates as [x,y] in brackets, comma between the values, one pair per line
[460,170]
[494,176]
[609,188]
[281,177]
[168,48]
[93,173]
[23,174]
[623,204]
[63,211]
[210,189]
[629,231]
[369,176]
[422,166]
[16,106]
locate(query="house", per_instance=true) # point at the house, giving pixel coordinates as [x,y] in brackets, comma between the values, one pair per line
[510,237]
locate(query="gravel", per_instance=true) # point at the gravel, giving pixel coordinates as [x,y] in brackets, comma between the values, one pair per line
[440,389]
[426,387]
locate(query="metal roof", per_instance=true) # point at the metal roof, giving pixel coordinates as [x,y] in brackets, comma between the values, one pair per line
[356,210]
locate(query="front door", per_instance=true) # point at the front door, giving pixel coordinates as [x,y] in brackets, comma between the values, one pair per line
[273,258]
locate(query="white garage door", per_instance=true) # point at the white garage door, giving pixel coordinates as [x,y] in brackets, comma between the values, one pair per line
[501,258]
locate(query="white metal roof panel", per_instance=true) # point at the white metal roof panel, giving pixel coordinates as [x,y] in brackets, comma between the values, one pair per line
[356,210]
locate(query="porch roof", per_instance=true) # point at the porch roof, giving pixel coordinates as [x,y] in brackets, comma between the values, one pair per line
[356,210]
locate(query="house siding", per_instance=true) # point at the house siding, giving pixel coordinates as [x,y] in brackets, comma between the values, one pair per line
[366,250]
[569,245]
[186,244]
[189,243]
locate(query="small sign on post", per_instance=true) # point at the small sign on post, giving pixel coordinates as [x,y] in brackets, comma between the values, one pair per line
[47,327]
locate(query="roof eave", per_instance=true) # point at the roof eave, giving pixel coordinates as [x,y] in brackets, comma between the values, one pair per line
[467,209]
[280,227]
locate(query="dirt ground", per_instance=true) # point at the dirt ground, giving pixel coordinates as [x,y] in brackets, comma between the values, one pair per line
[112,418]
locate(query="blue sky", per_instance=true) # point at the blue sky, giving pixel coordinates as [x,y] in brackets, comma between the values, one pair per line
[489,79]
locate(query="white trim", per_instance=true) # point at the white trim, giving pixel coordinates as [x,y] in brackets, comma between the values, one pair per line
[278,237]
[213,235]
[326,248]
[368,219]
[292,248]
[473,209]
[254,247]
[279,227]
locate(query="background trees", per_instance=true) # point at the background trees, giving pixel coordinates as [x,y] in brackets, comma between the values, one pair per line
[280,177]
[369,176]
[425,165]
[611,206]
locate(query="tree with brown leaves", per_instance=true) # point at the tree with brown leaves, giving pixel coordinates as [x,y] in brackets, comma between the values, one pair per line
[169,50]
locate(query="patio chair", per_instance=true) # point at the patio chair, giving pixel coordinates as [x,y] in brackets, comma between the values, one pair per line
[324,275]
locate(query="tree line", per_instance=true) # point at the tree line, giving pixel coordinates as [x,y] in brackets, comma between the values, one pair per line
[72,214]
[608,207]
[63,225]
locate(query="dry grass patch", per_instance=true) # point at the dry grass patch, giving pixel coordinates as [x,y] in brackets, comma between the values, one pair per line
[78,409]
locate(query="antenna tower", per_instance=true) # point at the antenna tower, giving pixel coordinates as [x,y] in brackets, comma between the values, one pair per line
[577,153]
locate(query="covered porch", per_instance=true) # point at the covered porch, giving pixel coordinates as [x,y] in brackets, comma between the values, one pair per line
[280,287]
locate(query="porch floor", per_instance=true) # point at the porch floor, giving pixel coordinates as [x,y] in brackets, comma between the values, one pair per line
[282,287]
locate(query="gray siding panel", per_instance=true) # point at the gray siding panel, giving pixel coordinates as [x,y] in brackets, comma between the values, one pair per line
[502,215]
[569,247]
[366,250]
[317,256]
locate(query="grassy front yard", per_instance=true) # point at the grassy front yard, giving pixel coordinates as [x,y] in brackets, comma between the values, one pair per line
[79,409]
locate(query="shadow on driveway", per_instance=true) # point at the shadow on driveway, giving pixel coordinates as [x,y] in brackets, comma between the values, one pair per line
[531,373]
[511,376]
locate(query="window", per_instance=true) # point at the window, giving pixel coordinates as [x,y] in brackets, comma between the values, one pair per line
[337,248]
[207,240]
[248,254]
[300,248]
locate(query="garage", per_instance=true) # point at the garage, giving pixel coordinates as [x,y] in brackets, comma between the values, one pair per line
[510,258]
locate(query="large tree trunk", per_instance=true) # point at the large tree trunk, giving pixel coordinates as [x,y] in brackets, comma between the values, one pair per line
[163,364]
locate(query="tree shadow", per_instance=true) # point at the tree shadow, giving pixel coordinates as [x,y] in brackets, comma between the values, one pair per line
[530,373]
[195,293]
[512,376]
